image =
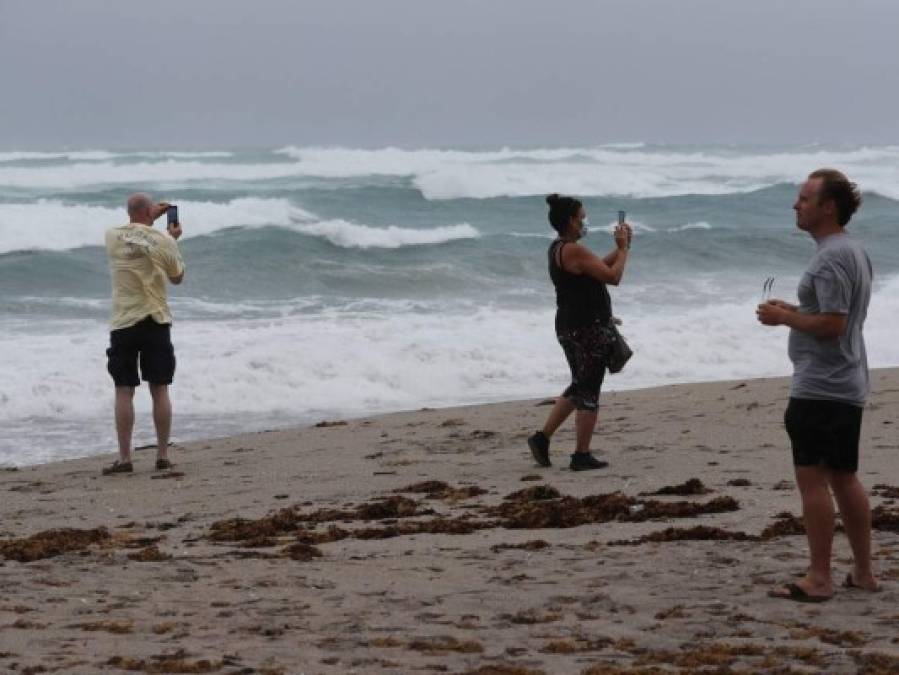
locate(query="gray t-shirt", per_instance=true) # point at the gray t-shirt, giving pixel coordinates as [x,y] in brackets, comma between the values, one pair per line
[837,281]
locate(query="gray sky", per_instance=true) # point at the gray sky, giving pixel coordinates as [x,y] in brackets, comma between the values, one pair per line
[222,73]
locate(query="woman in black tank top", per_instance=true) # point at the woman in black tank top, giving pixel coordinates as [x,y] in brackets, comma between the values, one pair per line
[583,313]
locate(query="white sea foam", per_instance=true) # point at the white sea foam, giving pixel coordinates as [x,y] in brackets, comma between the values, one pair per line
[361,360]
[353,235]
[701,225]
[56,225]
[633,171]
[105,155]
[449,174]
[168,172]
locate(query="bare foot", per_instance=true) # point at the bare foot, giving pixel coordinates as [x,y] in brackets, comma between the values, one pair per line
[866,582]
[803,590]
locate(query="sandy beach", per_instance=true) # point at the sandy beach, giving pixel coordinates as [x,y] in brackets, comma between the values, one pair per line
[428,541]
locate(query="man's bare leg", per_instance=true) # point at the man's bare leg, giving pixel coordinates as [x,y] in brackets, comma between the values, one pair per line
[856,514]
[818,516]
[559,413]
[124,420]
[162,418]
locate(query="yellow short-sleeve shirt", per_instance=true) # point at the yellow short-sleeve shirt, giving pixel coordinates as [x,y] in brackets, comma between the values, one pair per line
[141,261]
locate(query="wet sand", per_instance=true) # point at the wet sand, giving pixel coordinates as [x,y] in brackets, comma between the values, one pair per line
[428,541]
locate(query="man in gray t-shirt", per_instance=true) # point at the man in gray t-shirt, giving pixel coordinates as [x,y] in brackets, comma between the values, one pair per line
[838,282]
[830,383]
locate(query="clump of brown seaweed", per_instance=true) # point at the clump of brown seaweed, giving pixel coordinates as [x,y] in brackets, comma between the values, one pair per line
[693,486]
[51,543]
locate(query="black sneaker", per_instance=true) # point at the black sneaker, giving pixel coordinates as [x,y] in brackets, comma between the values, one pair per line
[584,461]
[539,445]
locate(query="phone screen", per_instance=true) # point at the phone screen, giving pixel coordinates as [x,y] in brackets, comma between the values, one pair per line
[621,215]
[172,214]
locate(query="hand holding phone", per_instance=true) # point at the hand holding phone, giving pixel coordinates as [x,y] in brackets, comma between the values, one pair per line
[173,226]
[622,223]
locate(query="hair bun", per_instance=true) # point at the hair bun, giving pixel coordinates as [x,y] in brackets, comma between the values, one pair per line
[553,199]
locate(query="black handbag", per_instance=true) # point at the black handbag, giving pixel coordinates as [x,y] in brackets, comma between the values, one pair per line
[619,351]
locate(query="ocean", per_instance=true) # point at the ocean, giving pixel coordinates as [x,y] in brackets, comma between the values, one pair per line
[331,282]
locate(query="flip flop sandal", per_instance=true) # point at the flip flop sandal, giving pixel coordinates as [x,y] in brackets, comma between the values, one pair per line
[849,583]
[163,465]
[118,467]
[796,593]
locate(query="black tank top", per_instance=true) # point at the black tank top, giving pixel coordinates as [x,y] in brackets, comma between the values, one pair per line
[580,299]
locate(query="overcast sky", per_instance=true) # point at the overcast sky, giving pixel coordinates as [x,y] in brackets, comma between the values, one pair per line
[412,73]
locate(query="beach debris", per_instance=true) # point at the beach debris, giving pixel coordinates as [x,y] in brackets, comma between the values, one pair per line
[875,663]
[242,529]
[840,638]
[325,424]
[25,624]
[167,474]
[542,506]
[739,482]
[51,543]
[440,525]
[115,627]
[444,645]
[885,491]
[532,545]
[302,552]
[578,644]
[697,533]
[884,519]
[504,668]
[452,422]
[388,507]
[435,489]
[536,493]
[676,612]
[176,662]
[289,520]
[149,554]
[531,477]
[693,486]
[785,525]
[783,485]
[529,617]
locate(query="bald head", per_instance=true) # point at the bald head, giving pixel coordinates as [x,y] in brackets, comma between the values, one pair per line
[139,205]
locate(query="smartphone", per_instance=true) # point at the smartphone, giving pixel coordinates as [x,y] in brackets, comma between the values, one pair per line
[621,216]
[171,215]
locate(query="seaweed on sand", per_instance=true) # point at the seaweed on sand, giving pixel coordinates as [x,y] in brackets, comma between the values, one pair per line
[51,543]
[542,506]
[693,486]
[165,663]
[436,489]
[697,533]
[786,524]
[884,519]
[263,530]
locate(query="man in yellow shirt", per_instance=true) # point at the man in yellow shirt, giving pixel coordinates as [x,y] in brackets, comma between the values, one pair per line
[141,261]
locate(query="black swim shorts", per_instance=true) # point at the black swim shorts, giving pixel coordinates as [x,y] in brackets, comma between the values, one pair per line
[824,433]
[148,342]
